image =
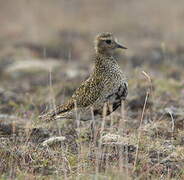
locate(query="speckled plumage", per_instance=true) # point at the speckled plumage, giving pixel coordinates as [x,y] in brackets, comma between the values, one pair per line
[106,85]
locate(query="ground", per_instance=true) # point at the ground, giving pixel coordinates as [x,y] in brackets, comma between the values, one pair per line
[46,51]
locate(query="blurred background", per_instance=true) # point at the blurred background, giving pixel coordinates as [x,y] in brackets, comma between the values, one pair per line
[46,50]
[55,38]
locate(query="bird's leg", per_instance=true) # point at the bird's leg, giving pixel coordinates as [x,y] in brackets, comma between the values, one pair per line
[92,126]
[105,110]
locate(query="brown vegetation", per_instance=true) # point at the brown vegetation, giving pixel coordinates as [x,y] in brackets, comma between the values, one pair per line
[45,52]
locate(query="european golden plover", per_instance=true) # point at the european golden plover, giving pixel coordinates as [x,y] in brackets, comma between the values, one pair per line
[106,85]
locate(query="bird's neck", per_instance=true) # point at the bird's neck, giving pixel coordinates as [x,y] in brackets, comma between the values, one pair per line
[104,62]
[105,58]
[104,52]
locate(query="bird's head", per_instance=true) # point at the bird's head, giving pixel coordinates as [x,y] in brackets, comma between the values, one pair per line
[105,43]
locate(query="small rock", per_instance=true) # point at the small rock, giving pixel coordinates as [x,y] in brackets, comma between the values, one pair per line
[21,67]
[113,148]
[53,141]
[108,138]
[117,142]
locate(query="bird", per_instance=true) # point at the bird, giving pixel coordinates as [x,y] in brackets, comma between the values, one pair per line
[105,88]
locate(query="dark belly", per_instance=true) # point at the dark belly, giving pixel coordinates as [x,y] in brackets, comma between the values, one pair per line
[113,101]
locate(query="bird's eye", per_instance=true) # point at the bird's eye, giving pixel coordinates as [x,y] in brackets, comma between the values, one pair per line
[108,41]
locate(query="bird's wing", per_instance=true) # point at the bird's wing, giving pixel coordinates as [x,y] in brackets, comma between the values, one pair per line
[84,96]
[89,91]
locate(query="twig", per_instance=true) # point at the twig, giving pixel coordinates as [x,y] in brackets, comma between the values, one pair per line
[142,116]
[139,135]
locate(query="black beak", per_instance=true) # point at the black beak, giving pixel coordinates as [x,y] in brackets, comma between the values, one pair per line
[120,46]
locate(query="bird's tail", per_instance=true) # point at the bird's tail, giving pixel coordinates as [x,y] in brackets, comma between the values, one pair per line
[58,111]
